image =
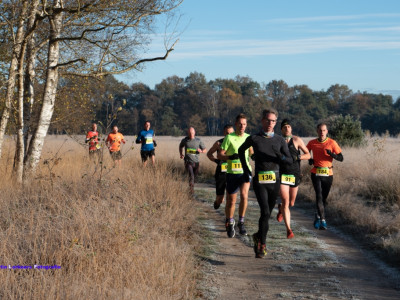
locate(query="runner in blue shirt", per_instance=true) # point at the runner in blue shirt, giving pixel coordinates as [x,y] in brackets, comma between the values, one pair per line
[146,138]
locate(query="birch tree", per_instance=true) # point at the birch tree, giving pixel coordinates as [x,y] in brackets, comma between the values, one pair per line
[83,38]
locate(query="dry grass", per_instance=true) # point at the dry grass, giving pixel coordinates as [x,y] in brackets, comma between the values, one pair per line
[129,235]
[366,193]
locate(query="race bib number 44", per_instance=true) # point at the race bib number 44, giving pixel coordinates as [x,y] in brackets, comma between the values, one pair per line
[322,171]
[288,179]
[191,151]
[266,177]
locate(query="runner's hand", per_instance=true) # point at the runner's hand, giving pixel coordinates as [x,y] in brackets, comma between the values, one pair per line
[311,161]
[154,143]
[329,152]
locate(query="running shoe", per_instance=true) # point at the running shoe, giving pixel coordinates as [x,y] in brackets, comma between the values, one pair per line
[256,241]
[261,251]
[290,234]
[216,205]
[279,216]
[230,228]
[242,229]
[317,221]
[323,225]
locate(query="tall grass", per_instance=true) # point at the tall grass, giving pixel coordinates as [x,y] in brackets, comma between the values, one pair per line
[126,233]
[366,193]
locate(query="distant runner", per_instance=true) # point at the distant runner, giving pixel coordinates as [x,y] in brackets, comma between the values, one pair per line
[113,143]
[290,174]
[324,150]
[235,178]
[92,137]
[146,138]
[220,171]
[269,151]
[192,146]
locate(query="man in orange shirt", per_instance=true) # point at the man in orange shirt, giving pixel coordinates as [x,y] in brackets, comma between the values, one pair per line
[113,143]
[92,137]
[324,150]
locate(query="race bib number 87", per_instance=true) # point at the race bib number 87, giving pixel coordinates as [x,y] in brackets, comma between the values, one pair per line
[224,167]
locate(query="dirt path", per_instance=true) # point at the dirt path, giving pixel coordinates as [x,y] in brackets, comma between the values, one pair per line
[314,265]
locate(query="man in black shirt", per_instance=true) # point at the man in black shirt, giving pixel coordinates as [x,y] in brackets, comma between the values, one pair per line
[269,151]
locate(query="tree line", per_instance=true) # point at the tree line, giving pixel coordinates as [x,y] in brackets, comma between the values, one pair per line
[177,103]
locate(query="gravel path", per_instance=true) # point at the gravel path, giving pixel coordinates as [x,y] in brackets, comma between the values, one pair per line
[315,264]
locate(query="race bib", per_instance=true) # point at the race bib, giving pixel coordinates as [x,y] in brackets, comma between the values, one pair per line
[149,140]
[322,171]
[191,151]
[97,146]
[236,166]
[224,167]
[288,179]
[266,177]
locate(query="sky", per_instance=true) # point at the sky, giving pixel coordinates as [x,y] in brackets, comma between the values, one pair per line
[316,43]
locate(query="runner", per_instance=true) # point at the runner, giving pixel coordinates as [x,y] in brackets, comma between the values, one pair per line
[220,171]
[92,137]
[146,138]
[324,150]
[269,151]
[235,178]
[290,174]
[193,146]
[113,143]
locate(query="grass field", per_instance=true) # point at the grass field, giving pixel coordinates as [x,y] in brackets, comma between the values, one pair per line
[133,233]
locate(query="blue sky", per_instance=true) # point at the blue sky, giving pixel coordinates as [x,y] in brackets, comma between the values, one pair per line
[317,43]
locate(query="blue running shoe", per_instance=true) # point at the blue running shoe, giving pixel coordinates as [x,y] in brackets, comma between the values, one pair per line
[323,226]
[317,223]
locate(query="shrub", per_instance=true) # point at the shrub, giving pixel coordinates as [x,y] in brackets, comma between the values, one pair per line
[347,131]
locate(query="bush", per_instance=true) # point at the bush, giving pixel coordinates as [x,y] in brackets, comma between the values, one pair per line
[347,131]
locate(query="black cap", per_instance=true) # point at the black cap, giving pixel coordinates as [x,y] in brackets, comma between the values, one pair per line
[285,122]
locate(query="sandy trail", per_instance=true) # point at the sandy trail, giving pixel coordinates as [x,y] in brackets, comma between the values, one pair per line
[315,264]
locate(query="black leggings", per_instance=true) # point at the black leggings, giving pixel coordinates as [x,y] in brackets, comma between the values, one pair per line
[322,186]
[193,170]
[266,197]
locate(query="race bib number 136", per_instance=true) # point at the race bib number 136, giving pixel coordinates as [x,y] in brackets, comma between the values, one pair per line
[266,177]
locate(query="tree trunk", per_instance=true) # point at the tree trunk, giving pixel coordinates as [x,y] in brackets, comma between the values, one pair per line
[13,72]
[20,149]
[36,145]
[29,92]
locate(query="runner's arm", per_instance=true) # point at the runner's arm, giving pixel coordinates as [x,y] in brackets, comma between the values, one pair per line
[210,153]
[338,157]
[242,156]
[181,146]
[303,148]
[139,139]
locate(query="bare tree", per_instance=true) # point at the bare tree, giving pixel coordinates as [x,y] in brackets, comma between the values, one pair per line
[83,38]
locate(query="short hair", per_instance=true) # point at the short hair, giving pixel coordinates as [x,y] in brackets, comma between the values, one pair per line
[269,111]
[227,126]
[115,125]
[322,124]
[240,116]
[147,121]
